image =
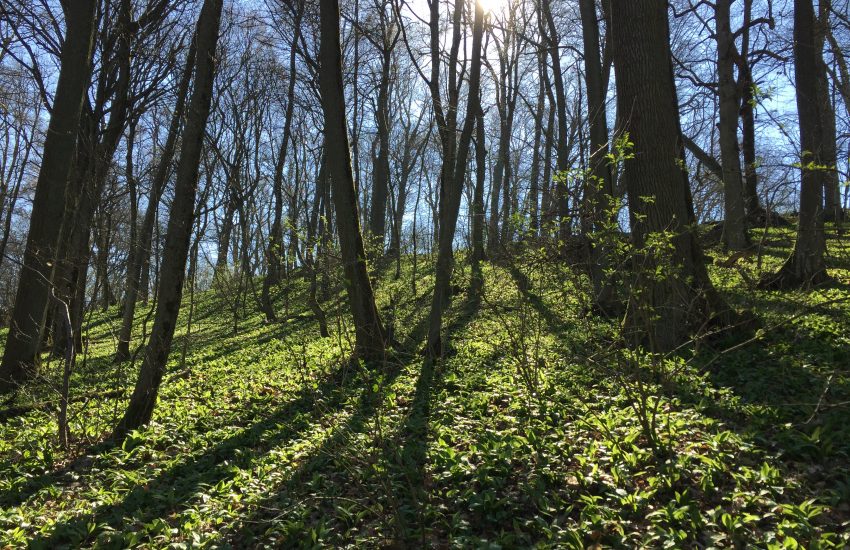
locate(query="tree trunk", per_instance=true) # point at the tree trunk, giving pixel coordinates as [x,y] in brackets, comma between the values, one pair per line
[451,187]
[599,187]
[275,247]
[562,145]
[381,170]
[370,339]
[170,289]
[136,283]
[663,310]
[21,353]
[755,212]
[806,265]
[734,225]
[534,177]
[829,151]
[476,283]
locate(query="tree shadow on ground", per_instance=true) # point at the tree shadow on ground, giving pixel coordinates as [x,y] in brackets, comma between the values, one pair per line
[176,487]
[789,395]
[336,473]
[554,322]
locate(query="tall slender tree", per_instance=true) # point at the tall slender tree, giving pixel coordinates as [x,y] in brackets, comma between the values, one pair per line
[23,344]
[180,222]
[455,156]
[734,224]
[806,265]
[370,339]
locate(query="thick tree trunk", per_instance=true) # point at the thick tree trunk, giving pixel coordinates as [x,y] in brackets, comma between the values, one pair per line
[170,289]
[734,225]
[806,265]
[21,354]
[369,333]
[662,310]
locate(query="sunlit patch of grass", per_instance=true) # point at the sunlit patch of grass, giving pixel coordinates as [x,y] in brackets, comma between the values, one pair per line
[521,436]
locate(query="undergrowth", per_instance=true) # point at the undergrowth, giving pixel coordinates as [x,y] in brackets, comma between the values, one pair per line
[529,433]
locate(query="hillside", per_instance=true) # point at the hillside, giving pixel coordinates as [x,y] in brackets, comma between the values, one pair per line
[537,430]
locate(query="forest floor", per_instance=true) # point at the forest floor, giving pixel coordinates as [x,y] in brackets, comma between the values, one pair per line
[537,430]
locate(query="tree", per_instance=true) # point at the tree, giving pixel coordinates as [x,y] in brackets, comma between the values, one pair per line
[734,224]
[145,238]
[21,355]
[275,247]
[385,44]
[600,188]
[806,265]
[550,38]
[666,309]
[370,339]
[455,155]
[180,222]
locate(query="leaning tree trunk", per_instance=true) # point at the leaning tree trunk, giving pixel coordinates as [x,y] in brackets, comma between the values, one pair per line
[21,354]
[663,310]
[369,332]
[170,289]
[806,265]
[145,235]
[734,224]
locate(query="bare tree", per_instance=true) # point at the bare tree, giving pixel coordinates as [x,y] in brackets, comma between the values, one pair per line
[21,354]
[370,340]
[170,289]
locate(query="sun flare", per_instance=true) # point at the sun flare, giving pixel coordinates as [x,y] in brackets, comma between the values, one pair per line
[492,6]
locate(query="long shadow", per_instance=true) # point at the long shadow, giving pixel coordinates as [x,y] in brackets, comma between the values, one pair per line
[326,457]
[410,449]
[785,408]
[177,486]
[555,323]
[405,454]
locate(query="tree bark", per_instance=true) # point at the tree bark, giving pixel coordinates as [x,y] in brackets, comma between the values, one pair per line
[476,283]
[134,284]
[170,287]
[562,145]
[755,212]
[451,184]
[664,310]
[734,226]
[369,333]
[806,265]
[21,354]
[599,186]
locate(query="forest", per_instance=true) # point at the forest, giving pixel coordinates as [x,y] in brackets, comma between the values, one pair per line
[425,274]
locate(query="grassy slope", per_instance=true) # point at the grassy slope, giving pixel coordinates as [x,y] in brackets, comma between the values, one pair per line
[524,436]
